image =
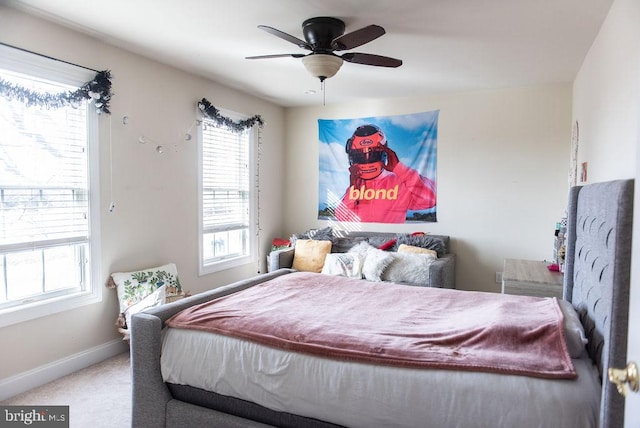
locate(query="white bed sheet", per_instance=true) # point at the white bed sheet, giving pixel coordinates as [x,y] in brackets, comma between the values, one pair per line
[360,395]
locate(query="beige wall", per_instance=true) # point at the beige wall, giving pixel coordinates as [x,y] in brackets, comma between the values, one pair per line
[606,104]
[155,220]
[503,158]
[502,167]
[605,96]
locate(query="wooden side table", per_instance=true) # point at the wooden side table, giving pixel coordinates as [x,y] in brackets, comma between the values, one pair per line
[531,278]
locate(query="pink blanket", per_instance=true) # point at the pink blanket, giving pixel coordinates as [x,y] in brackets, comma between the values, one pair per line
[392,324]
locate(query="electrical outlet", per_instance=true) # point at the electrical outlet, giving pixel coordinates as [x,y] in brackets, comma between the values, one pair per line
[498,277]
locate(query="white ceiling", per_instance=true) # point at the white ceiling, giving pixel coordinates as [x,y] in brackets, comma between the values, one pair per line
[446,45]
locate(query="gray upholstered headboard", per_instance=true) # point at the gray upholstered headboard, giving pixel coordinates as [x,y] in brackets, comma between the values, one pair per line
[597,277]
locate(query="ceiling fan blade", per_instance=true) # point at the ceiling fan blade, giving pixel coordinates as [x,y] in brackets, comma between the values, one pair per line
[285,36]
[275,56]
[370,59]
[357,38]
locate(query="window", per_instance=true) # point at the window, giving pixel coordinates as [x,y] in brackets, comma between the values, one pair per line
[48,199]
[226,208]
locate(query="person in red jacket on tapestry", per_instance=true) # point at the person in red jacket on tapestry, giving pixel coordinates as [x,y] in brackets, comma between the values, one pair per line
[382,189]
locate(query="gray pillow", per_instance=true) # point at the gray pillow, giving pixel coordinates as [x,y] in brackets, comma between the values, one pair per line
[573,330]
[324,234]
[344,244]
[379,241]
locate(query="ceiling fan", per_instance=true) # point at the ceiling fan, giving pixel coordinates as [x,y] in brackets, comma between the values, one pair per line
[324,36]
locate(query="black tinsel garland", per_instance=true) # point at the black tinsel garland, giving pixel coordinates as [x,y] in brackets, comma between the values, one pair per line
[210,112]
[97,90]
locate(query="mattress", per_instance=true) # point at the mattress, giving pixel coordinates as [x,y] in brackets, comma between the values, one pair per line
[364,395]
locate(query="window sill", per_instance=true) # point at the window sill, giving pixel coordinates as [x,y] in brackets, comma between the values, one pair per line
[224,265]
[27,312]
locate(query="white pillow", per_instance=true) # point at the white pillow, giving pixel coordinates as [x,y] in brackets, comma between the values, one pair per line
[343,264]
[375,260]
[411,268]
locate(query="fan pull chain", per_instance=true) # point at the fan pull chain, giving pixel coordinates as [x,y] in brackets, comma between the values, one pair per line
[324,94]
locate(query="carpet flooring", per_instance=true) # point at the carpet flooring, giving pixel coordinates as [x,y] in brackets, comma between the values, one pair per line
[98,396]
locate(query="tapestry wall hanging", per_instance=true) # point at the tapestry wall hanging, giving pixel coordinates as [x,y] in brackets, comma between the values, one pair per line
[378,169]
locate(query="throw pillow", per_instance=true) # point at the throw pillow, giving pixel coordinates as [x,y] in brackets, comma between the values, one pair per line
[343,264]
[344,244]
[279,244]
[375,260]
[423,241]
[309,255]
[404,248]
[380,240]
[157,298]
[387,245]
[143,289]
[409,268]
[324,234]
[574,332]
[133,287]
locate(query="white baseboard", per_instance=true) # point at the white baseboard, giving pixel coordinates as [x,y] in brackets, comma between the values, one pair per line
[39,376]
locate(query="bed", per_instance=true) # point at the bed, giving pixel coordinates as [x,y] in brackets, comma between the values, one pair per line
[205,377]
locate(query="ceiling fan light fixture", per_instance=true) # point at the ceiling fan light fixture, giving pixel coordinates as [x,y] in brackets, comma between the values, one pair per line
[322,66]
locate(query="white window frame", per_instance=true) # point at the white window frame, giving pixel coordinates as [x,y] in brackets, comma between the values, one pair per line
[42,67]
[251,257]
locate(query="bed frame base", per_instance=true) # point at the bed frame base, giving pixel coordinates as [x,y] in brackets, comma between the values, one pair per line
[598,247]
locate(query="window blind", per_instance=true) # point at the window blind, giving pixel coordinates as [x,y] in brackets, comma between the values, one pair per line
[43,171]
[225,181]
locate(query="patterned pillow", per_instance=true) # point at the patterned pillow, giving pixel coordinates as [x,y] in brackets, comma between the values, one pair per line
[343,264]
[135,286]
[145,288]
